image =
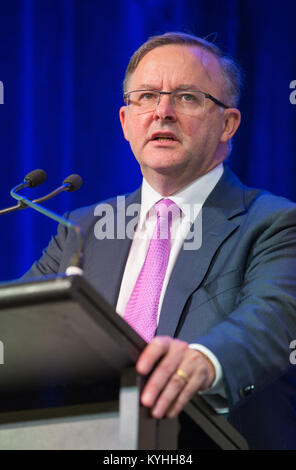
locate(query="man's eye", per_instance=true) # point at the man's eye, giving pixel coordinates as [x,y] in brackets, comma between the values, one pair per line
[147,96]
[187,97]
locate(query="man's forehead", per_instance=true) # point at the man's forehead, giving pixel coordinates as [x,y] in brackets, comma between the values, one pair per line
[199,59]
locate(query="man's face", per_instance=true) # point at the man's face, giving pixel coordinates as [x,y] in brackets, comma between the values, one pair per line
[197,144]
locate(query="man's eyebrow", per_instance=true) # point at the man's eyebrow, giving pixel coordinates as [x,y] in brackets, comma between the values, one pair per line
[186,86]
[183,86]
[146,86]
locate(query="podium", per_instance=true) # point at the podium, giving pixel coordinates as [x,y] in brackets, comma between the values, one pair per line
[68,378]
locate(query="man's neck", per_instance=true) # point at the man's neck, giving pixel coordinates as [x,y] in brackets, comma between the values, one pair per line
[167,185]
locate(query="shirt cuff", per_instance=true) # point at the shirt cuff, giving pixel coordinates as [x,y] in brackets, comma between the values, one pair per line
[215,395]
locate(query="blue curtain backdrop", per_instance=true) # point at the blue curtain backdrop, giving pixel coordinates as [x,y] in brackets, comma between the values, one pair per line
[62,63]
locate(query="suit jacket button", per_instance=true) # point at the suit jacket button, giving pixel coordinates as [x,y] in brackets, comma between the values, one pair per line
[246,391]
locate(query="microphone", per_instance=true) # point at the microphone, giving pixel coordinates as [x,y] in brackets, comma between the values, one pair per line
[35,178]
[31,180]
[72,183]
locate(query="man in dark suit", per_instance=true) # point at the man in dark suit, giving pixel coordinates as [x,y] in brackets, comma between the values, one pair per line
[226,308]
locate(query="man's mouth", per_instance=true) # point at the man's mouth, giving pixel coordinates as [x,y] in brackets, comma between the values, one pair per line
[163,137]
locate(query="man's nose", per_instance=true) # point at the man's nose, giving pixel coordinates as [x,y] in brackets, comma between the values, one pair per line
[165,108]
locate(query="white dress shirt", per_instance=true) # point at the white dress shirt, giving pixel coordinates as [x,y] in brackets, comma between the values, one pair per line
[190,200]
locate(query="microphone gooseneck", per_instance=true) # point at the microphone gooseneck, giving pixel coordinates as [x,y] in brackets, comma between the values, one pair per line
[72,183]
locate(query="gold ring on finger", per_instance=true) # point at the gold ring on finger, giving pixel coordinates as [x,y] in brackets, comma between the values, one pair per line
[181,373]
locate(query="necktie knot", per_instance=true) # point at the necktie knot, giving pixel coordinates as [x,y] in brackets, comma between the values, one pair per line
[164,207]
[166,210]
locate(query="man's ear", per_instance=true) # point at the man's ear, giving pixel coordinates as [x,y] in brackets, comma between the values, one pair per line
[122,118]
[232,119]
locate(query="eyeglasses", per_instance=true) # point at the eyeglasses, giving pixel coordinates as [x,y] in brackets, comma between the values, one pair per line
[191,102]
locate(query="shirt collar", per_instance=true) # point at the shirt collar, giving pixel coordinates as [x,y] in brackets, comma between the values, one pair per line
[190,199]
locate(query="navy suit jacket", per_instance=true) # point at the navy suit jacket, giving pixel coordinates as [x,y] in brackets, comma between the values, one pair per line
[236,295]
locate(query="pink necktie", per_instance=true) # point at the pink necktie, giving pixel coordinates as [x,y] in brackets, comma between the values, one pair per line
[142,308]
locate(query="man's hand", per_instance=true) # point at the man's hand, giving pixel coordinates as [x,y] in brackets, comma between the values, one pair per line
[166,392]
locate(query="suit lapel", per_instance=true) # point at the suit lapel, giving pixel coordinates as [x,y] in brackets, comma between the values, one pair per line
[108,256]
[225,201]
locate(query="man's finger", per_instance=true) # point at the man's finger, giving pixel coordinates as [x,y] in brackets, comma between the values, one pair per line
[169,395]
[152,353]
[190,376]
[172,353]
[182,399]
[185,376]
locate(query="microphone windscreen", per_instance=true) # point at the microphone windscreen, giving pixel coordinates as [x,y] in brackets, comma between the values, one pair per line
[74,182]
[35,178]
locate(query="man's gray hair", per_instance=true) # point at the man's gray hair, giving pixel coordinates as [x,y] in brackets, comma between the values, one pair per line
[230,69]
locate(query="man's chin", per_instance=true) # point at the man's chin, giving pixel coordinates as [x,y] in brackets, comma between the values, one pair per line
[168,168]
[163,160]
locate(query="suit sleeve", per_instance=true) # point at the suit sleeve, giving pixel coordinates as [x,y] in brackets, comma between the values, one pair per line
[52,256]
[252,343]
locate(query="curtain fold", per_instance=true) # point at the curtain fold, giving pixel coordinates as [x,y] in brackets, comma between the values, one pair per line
[62,64]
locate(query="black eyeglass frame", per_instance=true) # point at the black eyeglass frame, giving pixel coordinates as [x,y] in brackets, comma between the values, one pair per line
[207,95]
